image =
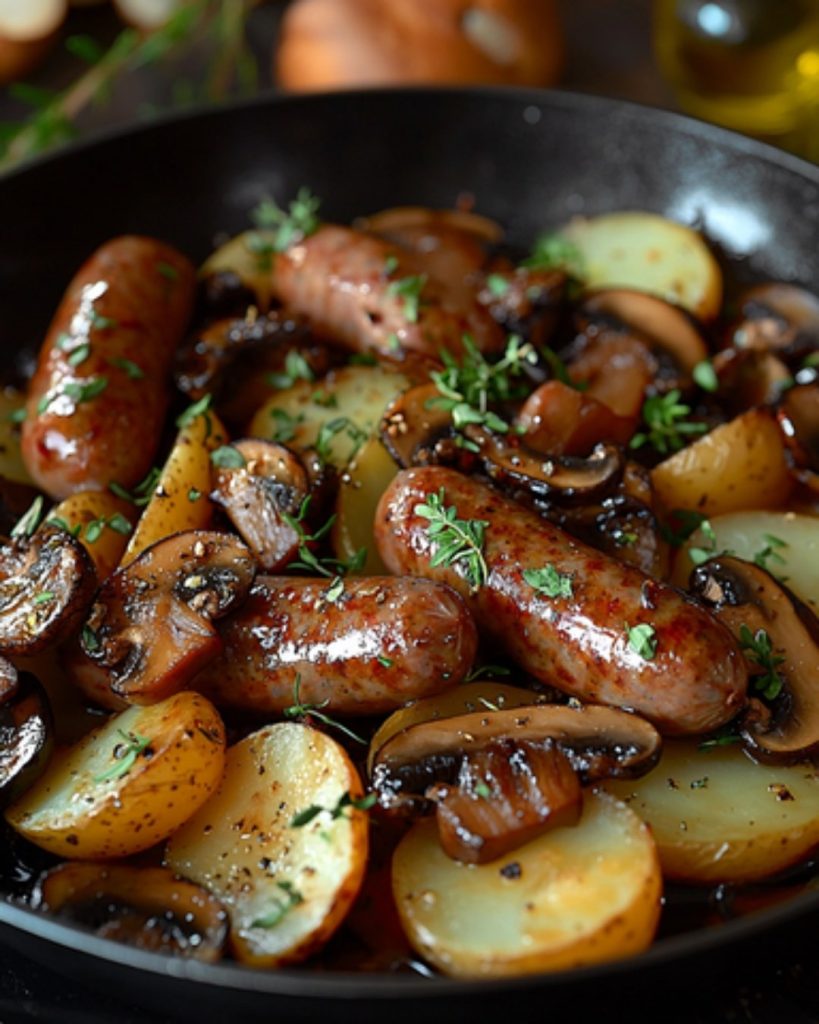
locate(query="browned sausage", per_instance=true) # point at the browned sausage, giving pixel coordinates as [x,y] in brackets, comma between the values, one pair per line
[100,391]
[381,642]
[343,281]
[694,682]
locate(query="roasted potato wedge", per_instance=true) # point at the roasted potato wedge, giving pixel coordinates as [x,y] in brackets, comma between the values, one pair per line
[739,465]
[574,896]
[245,256]
[128,784]
[650,254]
[102,523]
[338,414]
[719,817]
[360,489]
[287,886]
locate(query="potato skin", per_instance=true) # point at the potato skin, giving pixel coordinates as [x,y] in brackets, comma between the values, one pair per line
[288,628]
[76,810]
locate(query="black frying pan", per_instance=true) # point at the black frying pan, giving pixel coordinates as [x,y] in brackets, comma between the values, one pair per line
[530,159]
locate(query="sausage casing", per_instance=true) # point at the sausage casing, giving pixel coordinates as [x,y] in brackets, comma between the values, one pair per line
[381,642]
[583,644]
[100,391]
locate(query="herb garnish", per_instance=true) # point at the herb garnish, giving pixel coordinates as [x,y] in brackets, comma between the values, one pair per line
[705,375]
[44,598]
[335,590]
[665,417]
[761,558]
[642,639]
[759,650]
[30,520]
[194,494]
[497,284]
[409,289]
[329,430]
[79,354]
[77,391]
[698,555]
[482,789]
[144,490]
[281,908]
[724,737]
[299,710]
[130,368]
[296,368]
[198,408]
[363,803]
[560,371]
[116,522]
[460,541]
[332,567]
[167,271]
[549,581]
[285,428]
[486,670]
[125,755]
[382,659]
[553,251]
[102,323]
[285,226]
[226,456]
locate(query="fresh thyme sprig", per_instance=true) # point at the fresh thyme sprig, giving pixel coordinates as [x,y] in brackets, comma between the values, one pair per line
[759,649]
[277,229]
[363,803]
[460,541]
[298,709]
[330,567]
[665,417]
[125,755]
[281,907]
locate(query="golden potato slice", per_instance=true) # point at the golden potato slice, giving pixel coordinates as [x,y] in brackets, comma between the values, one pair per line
[361,487]
[572,897]
[12,402]
[287,886]
[128,784]
[337,414]
[650,254]
[719,817]
[485,695]
[180,501]
[103,523]
[245,255]
[786,544]
[739,465]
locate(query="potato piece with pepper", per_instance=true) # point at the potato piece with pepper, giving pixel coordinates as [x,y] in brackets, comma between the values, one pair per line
[717,816]
[102,523]
[127,785]
[282,843]
[573,897]
[180,500]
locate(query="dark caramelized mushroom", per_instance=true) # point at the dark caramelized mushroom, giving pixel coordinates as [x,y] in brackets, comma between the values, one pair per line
[613,365]
[413,425]
[505,795]
[150,629]
[26,731]
[798,416]
[525,301]
[749,377]
[560,420]
[47,582]
[780,318]
[784,658]
[148,908]
[271,484]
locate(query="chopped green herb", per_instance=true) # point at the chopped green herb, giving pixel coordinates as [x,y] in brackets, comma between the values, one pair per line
[296,368]
[700,783]
[79,354]
[390,264]
[497,284]
[460,541]
[100,322]
[125,755]
[291,225]
[482,789]
[63,524]
[63,341]
[286,425]
[167,271]
[701,554]
[90,640]
[198,408]
[549,581]
[194,494]
[409,290]
[486,670]
[329,430]
[331,567]
[84,47]
[227,457]
[393,342]
[688,523]
[131,370]
[85,391]
[299,710]
[723,738]
[642,640]
[705,375]
[553,251]
[625,538]
[30,520]
[281,908]
[324,399]
[335,590]
[17,415]
[363,803]
[45,597]
[560,371]
[770,551]
[760,651]
[385,661]
[665,418]
[116,522]
[362,359]
[142,493]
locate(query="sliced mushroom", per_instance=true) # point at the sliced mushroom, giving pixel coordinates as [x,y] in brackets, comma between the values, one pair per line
[599,742]
[26,731]
[148,908]
[413,425]
[780,318]
[749,377]
[526,301]
[47,582]
[505,794]
[742,594]
[272,483]
[150,629]
[798,417]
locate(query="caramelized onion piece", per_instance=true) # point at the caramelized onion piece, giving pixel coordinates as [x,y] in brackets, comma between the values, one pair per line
[560,420]
[506,794]
[47,582]
[150,629]
[742,594]
[148,908]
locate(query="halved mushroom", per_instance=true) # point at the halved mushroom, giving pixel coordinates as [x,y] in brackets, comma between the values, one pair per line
[749,377]
[270,484]
[780,318]
[798,417]
[26,730]
[781,636]
[148,908]
[413,425]
[150,629]
[456,761]
[47,582]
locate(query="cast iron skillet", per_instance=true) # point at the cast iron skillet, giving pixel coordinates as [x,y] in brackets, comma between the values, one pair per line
[530,159]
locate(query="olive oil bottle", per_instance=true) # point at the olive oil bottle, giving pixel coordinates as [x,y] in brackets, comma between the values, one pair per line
[750,65]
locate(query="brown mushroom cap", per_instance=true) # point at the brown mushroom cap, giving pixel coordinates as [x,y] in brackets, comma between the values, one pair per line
[798,418]
[150,629]
[777,317]
[26,731]
[413,425]
[149,908]
[257,496]
[47,582]
[599,742]
[743,594]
